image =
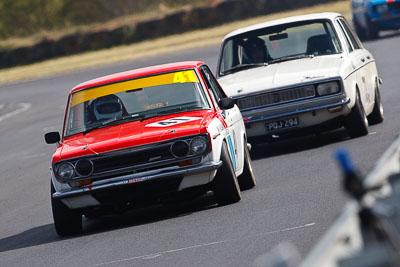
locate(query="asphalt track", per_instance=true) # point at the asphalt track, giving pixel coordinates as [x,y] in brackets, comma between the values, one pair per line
[297,197]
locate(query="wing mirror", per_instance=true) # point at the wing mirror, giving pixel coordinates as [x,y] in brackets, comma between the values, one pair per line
[226,103]
[52,137]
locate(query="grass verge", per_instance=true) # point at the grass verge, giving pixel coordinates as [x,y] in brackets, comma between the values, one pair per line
[149,48]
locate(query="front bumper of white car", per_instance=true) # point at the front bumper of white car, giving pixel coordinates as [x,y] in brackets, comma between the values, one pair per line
[286,117]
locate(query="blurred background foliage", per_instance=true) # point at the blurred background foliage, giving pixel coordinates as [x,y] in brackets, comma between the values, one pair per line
[21,18]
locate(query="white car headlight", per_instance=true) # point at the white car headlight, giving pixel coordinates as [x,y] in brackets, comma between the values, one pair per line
[328,88]
[383,8]
[65,171]
[198,145]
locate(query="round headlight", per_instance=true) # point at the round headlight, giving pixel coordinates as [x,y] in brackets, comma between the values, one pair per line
[179,149]
[328,88]
[65,171]
[84,167]
[198,145]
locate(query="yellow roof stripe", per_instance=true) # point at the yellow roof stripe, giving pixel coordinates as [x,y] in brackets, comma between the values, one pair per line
[187,76]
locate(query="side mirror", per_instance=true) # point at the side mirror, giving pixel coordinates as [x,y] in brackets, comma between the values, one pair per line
[52,137]
[226,103]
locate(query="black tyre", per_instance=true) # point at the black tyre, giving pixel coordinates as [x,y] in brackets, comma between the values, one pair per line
[247,180]
[66,221]
[376,115]
[361,32]
[356,121]
[226,187]
[372,31]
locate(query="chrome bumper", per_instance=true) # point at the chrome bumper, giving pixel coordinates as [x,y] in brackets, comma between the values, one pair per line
[136,178]
[289,113]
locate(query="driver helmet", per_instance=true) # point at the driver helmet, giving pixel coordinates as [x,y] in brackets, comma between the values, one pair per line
[107,107]
[254,44]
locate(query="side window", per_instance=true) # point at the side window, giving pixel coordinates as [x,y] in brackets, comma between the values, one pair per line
[214,98]
[334,37]
[212,84]
[346,38]
[353,37]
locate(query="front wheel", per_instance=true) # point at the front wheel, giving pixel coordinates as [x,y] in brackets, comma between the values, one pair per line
[356,121]
[361,32]
[372,31]
[226,187]
[66,221]
[247,180]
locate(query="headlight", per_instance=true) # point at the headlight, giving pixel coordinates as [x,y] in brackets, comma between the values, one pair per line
[84,167]
[382,8]
[65,171]
[179,149]
[328,88]
[198,145]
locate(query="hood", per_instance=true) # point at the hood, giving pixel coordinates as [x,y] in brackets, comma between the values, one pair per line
[134,133]
[281,74]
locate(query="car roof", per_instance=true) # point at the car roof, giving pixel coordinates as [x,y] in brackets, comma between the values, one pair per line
[131,74]
[324,15]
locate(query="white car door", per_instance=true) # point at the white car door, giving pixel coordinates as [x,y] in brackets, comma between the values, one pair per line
[361,59]
[233,119]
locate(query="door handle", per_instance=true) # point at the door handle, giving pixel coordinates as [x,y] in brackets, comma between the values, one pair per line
[223,114]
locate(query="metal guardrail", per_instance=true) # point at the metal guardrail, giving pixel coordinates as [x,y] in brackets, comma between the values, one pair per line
[367,231]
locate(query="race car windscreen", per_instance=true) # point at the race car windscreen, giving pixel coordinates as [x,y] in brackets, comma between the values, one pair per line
[137,99]
[278,43]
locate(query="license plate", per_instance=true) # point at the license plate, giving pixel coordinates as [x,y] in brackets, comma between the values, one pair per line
[282,124]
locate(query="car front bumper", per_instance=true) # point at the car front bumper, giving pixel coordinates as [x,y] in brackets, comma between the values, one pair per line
[310,112]
[192,176]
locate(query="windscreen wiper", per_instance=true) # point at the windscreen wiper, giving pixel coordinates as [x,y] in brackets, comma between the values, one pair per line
[113,121]
[244,67]
[288,58]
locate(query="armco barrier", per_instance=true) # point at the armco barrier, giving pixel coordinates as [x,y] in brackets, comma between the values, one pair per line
[367,232]
[178,22]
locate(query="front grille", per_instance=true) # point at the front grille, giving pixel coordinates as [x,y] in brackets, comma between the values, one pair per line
[394,6]
[133,158]
[276,97]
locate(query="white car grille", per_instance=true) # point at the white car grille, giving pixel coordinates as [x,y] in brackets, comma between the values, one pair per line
[277,97]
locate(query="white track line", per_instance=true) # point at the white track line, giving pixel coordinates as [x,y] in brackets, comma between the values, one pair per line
[158,254]
[21,108]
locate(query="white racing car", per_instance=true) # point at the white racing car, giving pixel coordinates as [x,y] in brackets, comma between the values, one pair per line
[306,73]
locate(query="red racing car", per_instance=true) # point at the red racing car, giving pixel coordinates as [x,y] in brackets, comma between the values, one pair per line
[144,137]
